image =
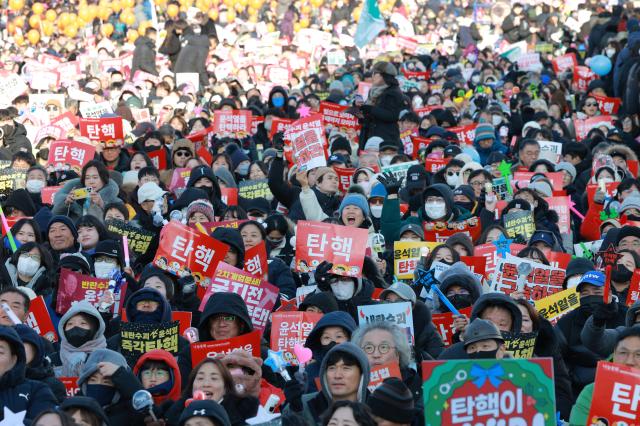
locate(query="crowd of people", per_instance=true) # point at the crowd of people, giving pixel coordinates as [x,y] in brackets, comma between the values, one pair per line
[506,133]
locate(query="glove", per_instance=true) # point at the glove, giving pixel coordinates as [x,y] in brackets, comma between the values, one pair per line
[604,312]
[278,143]
[390,182]
[246,371]
[323,274]
[293,392]
[598,197]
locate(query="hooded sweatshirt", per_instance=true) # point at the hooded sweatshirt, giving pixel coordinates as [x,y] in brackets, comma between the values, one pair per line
[459,274]
[173,394]
[223,303]
[17,393]
[71,359]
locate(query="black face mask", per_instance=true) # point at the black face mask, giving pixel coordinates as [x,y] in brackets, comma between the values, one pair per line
[77,336]
[207,189]
[461,301]
[484,354]
[324,349]
[467,206]
[151,148]
[621,274]
[589,303]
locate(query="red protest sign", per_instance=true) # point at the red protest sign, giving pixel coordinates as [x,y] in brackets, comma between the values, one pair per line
[64,154]
[259,296]
[279,125]
[211,226]
[344,246]
[381,372]
[334,115]
[634,288]
[477,264]
[561,206]
[523,179]
[74,287]
[418,144]
[426,110]
[71,385]
[584,126]
[465,134]
[255,260]
[616,394]
[416,75]
[558,260]
[490,253]
[344,177]
[199,136]
[50,131]
[103,129]
[229,196]
[441,231]
[179,179]
[434,164]
[608,106]
[184,251]
[409,45]
[307,139]
[39,320]
[236,122]
[67,121]
[444,324]
[158,158]
[205,155]
[249,342]
[564,62]
[48,192]
[255,121]
[289,329]
[582,76]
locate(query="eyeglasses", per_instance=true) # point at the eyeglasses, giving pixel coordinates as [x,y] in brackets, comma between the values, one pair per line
[31,256]
[625,354]
[158,374]
[52,108]
[383,348]
[629,244]
[591,104]
[182,154]
[452,173]
[224,318]
[477,184]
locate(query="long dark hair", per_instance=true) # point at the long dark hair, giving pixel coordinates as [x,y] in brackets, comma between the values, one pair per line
[229,386]
[45,256]
[102,172]
[361,413]
[17,227]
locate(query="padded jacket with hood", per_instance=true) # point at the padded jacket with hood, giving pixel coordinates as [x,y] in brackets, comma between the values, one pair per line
[17,393]
[316,403]
[163,401]
[15,142]
[75,210]
[602,340]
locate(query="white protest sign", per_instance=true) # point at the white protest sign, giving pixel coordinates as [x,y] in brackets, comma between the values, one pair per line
[399,314]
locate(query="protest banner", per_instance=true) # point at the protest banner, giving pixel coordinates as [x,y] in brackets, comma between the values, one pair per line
[616,394]
[334,115]
[68,154]
[433,165]
[465,134]
[189,78]
[530,62]
[183,318]
[211,226]
[520,345]
[70,385]
[406,255]
[564,62]
[67,121]
[491,254]
[399,313]
[289,329]
[50,131]
[139,238]
[229,196]
[381,372]
[522,179]
[256,260]
[582,76]
[95,109]
[441,231]
[541,282]
[307,139]
[633,293]
[444,324]
[74,287]
[179,179]
[158,158]
[551,151]
[11,86]
[141,115]
[259,296]
[341,245]
[256,188]
[553,307]
[500,189]
[477,265]
[344,177]
[11,179]
[236,123]
[139,338]
[39,319]
[183,251]
[607,105]
[584,126]
[520,224]
[459,391]
[249,342]
[399,170]
[279,125]
[104,129]
[561,206]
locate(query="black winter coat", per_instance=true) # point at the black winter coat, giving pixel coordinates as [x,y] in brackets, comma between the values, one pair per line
[144,56]
[282,190]
[428,342]
[15,142]
[381,119]
[238,409]
[329,204]
[193,56]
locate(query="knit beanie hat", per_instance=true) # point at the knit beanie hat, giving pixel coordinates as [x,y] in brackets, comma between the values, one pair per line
[392,401]
[357,200]
[484,131]
[201,206]
[236,154]
[66,221]
[567,167]
[631,202]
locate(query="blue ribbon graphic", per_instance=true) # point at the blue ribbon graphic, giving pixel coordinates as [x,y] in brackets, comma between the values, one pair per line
[480,375]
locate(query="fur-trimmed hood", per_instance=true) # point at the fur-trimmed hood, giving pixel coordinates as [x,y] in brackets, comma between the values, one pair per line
[623,150]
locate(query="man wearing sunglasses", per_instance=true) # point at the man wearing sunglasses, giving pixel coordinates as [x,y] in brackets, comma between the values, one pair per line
[113,156]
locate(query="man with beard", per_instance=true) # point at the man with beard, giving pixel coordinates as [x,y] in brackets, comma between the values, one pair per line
[580,360]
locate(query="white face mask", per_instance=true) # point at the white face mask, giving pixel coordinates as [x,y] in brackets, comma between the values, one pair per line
[366,186]
[103,269]
[376,211]
[610,52]
[27,266]
[496,119]
[243,169]
[343,290]
[385,160]
[34,186]
[435,209]
[475,79]
[574,281]
[453,180]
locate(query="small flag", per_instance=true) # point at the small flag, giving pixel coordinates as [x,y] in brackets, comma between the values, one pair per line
[369,25]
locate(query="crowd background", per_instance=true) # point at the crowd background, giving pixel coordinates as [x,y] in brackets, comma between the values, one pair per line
[472,93]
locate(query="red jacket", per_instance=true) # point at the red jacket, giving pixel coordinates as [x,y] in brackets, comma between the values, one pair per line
[165,357]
